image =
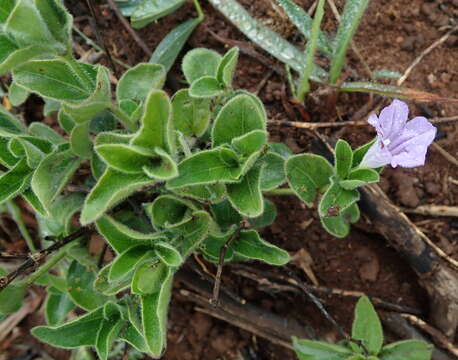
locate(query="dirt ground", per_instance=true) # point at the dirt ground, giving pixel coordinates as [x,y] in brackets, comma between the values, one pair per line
[392,34]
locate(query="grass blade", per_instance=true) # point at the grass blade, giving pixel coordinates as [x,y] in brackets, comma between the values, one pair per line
[303,21]
[310,50]
[352,14]
[270,41]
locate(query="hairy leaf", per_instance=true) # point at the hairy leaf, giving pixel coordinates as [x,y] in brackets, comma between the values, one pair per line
[136,83]
[200,62]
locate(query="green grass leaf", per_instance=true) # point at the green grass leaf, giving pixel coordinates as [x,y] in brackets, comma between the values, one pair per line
[351,17]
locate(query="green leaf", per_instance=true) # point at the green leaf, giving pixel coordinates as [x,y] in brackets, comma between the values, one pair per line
[106,287]
[57,307]
[406,350]
[226,68]
[273,171]
[343,159]
[367,327]
[65,121]
[80,287]
[335,200]
[128,159]
[351,16]
[7,159]
[98,100]
[193,232]
[191,116]
[211,247]
[169,211]
[6,6]
[52,175]
[151,10]
[360,177]
[206,87]
[337,226]
[119,236]
[154,317]
[17,94]
[44,132]
[9,125]
[359,153]
[317,350]
[128,261]
[133,337]
[168,49]
[205,167]
[136,83]
[162,167]
[386,74]
[238,117]
[107,334]
[303,21]
[54,79]
[27,26]
[149,277]
[57,19]
[267,217]
[12,57]
[168,254]
[212,193]
[11,297]
[308,175]
[15,181]
[250,245]
[79,332]
[34,149]
[225,215]
[34,203]
[251,142]
[246,196]
[200,62]
[267,39]
[80,140]
[61,211]
[111,188]
[156,124]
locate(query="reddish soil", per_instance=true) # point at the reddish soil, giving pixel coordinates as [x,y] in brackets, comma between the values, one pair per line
[391,36]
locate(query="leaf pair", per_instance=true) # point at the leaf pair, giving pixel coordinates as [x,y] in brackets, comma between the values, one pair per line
[208,73]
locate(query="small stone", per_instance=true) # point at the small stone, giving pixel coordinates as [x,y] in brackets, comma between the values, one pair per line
[446,77]
[408,44]
[399,39]
[431,79]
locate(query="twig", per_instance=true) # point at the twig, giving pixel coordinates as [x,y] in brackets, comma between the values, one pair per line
[129,29]
[319,305]
[219,272]
[433,210]
[262,277]
[438,337]
[8,256]
[36,258]
[92,43]
[318,125]
[100,39]
[445,153]
[423,54]
[272,327]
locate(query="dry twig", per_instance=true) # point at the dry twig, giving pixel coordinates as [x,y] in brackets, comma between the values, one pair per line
[445,153]
[433,210]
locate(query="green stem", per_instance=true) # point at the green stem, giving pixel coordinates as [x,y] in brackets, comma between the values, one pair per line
[304,86]
[45,267]
[280,192]
[124,118]
[200,13]
[15,212]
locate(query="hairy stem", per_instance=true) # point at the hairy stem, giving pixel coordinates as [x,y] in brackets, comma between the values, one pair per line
[280,192]
[124,118]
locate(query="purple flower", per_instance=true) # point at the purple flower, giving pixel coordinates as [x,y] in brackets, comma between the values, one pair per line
[399,142]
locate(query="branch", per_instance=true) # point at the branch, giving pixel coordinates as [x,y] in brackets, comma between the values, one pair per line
[39,256]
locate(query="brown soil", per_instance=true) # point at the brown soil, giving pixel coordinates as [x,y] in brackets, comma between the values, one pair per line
[391,36]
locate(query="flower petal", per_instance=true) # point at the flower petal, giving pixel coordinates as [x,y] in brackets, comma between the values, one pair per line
[418,132]
[376,156]
[393,118]
[414,156]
